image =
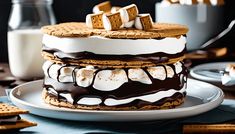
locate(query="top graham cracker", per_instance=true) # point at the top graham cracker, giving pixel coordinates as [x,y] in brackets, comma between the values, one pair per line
[79,29]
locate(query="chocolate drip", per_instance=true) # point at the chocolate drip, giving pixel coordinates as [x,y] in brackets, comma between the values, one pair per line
[127,90]
[159,57]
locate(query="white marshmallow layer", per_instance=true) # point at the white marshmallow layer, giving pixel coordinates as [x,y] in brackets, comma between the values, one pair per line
[107,80]
[101,45]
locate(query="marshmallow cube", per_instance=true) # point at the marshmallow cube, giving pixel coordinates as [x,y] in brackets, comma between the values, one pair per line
[129,13]
[115,9]
[94,20]
[143,22]
[129,24]
[112,21]
[104,6]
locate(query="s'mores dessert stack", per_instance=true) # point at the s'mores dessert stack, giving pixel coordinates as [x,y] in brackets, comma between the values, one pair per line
[117,60]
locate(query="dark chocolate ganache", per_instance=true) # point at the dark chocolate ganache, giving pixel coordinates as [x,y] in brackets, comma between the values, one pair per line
[9,119]
[159,57]
[127,90]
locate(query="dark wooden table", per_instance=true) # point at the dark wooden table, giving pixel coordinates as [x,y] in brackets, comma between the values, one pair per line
[228,94]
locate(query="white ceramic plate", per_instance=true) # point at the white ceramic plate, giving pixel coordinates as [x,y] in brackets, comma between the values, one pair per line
[201,97]
[215,65]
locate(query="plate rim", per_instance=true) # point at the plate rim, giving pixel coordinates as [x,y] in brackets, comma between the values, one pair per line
[208,79]
[216,101]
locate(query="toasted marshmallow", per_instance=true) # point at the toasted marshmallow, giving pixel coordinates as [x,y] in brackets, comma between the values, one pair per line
[169,71]
[108,80]
[112,21]
[104,6]
[115,9]
[58,72]
[84,76]
[157,72]
[53,71]
[139,75]
[178,67]
[143,22]
[45,67]
[66,74]
[129,24]
[128,13]
[94,20]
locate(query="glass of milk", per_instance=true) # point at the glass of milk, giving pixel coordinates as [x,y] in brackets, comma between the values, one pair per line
[25,37]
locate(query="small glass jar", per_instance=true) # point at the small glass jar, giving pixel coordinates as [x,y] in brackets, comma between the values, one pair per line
[25,37]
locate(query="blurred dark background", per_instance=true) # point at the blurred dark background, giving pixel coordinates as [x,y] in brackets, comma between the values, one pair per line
[76,10]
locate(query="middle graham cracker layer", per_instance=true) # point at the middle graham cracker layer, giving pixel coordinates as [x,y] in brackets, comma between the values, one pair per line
[108,63]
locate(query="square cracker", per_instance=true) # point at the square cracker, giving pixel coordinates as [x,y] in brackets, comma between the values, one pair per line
[146,22]
[104,6]
[96,20]
[132,12]
[115,20]
[18,125]
[8,110]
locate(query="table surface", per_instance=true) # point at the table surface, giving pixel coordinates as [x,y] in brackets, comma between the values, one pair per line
[228,94]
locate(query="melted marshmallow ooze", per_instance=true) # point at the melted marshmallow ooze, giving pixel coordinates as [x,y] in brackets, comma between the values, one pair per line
[60,77]
[101,45]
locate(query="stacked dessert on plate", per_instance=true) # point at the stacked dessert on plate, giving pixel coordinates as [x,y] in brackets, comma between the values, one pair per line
[117,60]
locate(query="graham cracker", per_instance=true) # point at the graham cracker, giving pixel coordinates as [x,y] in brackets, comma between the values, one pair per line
[80,30]
[104,6]
[109,63]
[8,110]
[132,11]
[146,22]
[115,20]
[18,125]
[53,100]
[96,20]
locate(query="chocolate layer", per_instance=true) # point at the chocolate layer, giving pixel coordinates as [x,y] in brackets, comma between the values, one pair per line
[9,119]
[127,90]
[159,57]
